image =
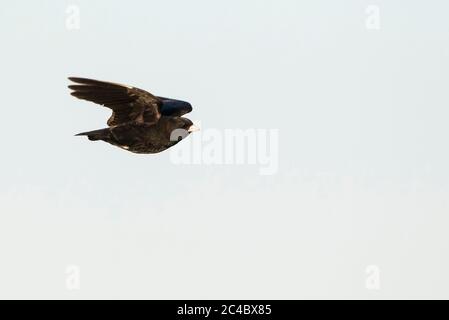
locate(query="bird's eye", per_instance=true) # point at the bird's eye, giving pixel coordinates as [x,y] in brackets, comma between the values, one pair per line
[178,135]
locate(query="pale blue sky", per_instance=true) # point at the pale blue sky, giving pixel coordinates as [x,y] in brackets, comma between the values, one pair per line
[363,175]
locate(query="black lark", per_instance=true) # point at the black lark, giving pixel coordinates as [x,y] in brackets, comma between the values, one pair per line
[140,122]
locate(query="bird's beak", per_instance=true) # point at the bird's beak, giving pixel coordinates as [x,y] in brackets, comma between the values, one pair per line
[193,128]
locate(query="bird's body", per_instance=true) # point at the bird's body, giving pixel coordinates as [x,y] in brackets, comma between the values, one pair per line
[139,137]
[140,122]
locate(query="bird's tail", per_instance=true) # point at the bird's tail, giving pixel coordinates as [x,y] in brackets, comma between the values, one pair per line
[101,134]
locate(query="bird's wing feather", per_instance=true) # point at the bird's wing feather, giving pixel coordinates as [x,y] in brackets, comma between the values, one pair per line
[174,108]
[127,103]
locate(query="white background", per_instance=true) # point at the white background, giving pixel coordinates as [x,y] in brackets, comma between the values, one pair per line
[363,176]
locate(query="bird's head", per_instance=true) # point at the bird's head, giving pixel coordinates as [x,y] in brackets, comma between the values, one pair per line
[181,128]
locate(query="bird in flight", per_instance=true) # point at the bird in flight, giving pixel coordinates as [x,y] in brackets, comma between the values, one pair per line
[140,122]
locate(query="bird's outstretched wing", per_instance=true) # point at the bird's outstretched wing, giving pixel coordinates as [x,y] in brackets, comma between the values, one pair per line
[127,103]
[174,108]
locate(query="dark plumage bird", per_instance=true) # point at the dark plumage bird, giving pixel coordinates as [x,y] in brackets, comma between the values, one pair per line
[140,122]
